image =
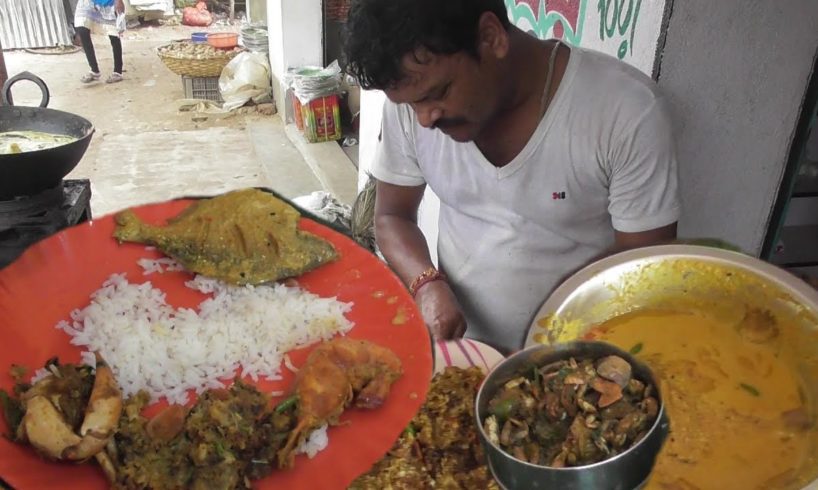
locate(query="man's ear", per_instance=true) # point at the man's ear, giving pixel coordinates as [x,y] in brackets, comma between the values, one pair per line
[492,36]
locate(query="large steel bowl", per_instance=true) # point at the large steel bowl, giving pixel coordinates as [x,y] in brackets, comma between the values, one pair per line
[625,471]
[723,282]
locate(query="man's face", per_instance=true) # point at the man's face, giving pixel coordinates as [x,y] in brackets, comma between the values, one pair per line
[457,94]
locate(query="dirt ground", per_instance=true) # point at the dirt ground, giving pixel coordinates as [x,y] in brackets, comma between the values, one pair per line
[144,149]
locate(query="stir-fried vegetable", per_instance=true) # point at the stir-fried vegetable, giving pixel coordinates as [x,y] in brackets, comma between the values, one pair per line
[571,413]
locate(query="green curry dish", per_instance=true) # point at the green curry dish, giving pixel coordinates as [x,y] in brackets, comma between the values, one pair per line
[229,438]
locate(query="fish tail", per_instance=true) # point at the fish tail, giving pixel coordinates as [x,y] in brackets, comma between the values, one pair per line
[129,228]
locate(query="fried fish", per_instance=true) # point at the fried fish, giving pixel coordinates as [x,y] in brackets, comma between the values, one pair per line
[242,237]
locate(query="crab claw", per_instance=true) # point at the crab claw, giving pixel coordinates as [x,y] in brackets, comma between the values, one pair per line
[101,415]
[107,465]
[45,428]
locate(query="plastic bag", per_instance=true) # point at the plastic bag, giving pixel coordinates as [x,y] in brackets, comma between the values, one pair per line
[245,78]
[197,16]
[309,83]
[121,23]
[328,207]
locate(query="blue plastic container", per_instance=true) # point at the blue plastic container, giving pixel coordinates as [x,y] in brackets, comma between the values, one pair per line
[199,37]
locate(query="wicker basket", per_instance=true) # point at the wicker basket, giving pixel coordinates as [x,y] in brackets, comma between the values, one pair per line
[194,67]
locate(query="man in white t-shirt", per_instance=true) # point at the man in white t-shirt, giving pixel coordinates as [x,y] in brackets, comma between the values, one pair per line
[544,157]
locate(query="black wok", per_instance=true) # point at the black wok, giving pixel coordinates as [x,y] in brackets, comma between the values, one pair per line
[23,174]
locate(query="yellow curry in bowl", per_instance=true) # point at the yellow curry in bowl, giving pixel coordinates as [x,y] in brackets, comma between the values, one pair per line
[730,399]
[737,359]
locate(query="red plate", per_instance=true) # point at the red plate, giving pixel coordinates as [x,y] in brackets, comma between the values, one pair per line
[58,275]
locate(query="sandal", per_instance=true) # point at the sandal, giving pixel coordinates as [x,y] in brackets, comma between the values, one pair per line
[90,77]
[114,78]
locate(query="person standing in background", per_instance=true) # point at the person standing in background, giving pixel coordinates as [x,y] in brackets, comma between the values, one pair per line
[100,17]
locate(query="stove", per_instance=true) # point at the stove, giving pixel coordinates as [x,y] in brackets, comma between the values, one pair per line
[26,220]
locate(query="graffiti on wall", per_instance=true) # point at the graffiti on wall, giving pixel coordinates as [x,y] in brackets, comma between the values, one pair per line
[619,22]
[561,19]
[566,19]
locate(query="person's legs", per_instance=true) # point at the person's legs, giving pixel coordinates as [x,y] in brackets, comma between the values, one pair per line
[116,44]
[90,55]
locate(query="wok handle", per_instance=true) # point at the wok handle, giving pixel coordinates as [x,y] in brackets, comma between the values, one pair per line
[6,94]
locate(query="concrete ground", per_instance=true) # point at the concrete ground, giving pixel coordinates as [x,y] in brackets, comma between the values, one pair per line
[144,150]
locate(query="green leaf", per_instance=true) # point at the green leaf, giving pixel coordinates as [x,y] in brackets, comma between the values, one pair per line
[636,349]
[750,389]
[286,404]
[537,375]
[504,408]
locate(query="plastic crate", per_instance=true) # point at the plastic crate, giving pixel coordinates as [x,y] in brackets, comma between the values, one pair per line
[202,88]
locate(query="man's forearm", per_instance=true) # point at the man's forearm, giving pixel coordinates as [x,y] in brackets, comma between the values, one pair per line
[403,245]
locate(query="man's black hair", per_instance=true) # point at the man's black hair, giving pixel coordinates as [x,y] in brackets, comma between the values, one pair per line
[380,33]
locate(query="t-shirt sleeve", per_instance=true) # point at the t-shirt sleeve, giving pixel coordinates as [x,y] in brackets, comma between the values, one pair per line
[643,191]
[395,158]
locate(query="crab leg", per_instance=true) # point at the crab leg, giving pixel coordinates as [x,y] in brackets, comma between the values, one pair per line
[101,415]
[107,465]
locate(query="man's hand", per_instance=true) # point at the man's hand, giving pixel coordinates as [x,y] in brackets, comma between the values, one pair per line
[441,311]
[405,249]
[119,6]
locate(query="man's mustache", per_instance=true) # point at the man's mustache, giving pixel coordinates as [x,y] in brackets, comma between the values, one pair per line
[449,122]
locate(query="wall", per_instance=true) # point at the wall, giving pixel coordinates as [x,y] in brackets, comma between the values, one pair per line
[628,29]
[34,24]
[296,42]
[736,73]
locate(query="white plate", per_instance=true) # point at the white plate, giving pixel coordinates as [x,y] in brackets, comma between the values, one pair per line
[465,353]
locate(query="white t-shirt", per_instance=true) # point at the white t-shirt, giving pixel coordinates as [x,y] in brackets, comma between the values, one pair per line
[601,159]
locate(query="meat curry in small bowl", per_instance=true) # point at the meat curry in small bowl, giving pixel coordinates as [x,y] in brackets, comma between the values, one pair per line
[734,344]
[577,415]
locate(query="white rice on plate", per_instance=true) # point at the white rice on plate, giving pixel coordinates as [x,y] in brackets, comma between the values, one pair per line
[164,264]
[317,441]
[152,346]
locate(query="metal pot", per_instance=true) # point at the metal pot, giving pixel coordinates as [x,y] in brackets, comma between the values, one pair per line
[625,471]
[29,173]
[702,277]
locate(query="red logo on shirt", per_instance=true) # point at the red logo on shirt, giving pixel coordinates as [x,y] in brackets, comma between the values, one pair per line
[557,196]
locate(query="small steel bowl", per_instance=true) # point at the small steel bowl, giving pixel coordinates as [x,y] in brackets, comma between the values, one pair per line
[625,471]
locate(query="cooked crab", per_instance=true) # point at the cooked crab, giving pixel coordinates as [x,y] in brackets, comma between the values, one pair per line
[47,426]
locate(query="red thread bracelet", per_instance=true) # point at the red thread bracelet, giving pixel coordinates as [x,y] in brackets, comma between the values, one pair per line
[429,275]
